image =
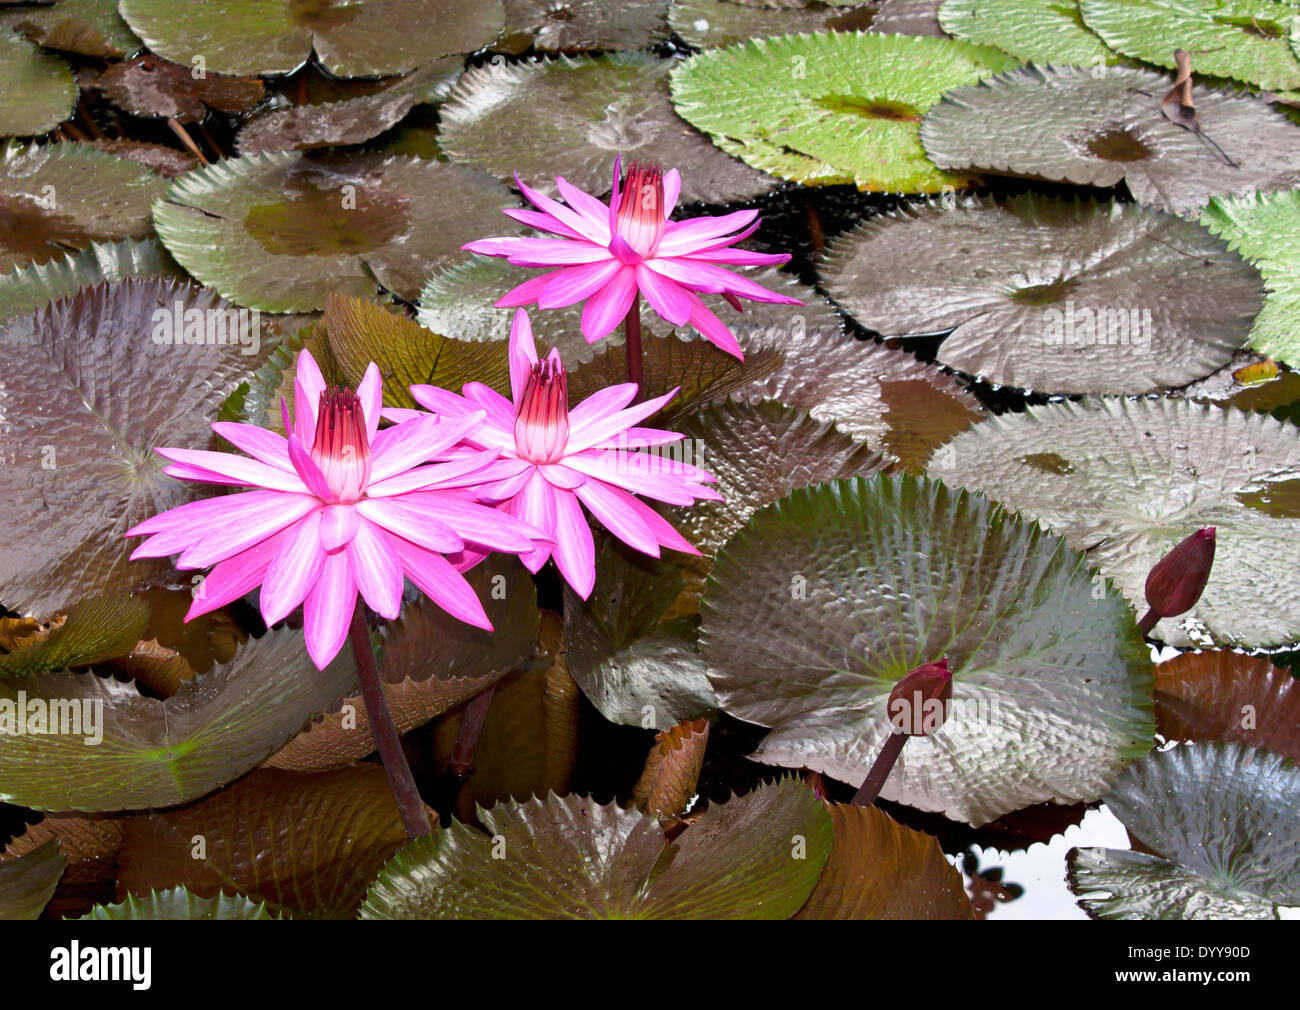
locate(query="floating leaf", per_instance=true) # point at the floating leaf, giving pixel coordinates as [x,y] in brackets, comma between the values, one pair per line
[27,884]
[280,231]
[1069,124]
[706,24]
[99,392]
[61,197]
[1226,817]
[159,753]
[908,17]
[180,903]
[1244,39]
[355,39]
[89,27]
[1063,297]
[165,161]
[1050,31]
[571,117]
[577,25]
[880,869]
[575,859]
[825,599]
[37,91]
[96,629]
[1127,480]
[150,87]
[831,107]
[89,844]
[672,769]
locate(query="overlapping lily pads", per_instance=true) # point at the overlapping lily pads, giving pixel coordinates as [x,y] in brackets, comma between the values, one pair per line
[357,39]
[572,116]
[1127,480]
[1059,296]
[1069,124]
[705,24]
[1050,31]
[281,231]
[831,107]
[579,25]
[572,858]
[96,629]
[27,884]
[148,86]
[89,27]
[179,903]
[37,91]
[826,598]
[1226,819]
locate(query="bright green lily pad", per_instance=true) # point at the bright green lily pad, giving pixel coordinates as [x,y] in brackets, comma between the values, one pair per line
[825,599]
[89,27]
[99,628]
[1049,31]
[178,903]
[37,91]
[28,883]
[832,107]
[1127,480]
[756,856]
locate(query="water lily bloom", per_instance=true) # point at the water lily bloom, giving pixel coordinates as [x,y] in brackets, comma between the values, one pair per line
[337,508]
[606,254]
[552,462]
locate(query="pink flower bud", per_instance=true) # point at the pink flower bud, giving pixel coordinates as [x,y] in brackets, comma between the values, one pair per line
[1179,578]
[919,703]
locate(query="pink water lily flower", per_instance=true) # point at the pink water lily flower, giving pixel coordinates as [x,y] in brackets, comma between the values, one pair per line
[553,462]
[338,508]
[606,254]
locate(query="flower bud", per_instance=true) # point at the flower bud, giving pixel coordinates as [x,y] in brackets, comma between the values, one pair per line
[920,702]
[1179,578]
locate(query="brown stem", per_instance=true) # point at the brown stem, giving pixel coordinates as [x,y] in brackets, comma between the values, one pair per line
[471,726]
[186,139]
[815,234]
[1149,620]
[880,769]
[400,779]
[632,344]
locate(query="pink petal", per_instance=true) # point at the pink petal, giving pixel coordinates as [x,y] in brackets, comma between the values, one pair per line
[535,505]
[719,279]
[294,571]
[403,446]
[665,297]
[465,472]
[565,215]
[574,553]
[608,306]
[714,330]
[327,611]
[740,257]
[238,469]
[632,439]
[525,293]
[481,525]
[235,577]
[672,190]
[587,205]
[682,237]
[499,410]
[259,443]
[599,404]
[541,221]
[245,524]
[573,284]
[548,252]
[307,469]
[434,576]
[610,506]
[377,569]
[308,384]
[653,479]
[603,426]
[522,353]
[371,395]
[412,523]
[338,525]
[560,476]
[194,517]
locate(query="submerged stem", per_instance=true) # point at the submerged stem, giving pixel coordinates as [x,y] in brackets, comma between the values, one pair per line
[880,769]
[632,343]
[471,726]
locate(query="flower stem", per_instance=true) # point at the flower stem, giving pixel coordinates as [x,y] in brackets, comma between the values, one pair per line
[385,733]
[471,725]
[880,769]
[632,343]
[1149,620]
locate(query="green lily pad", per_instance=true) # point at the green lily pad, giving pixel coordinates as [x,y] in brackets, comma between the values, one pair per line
[97,395]
[706,24]
[831,107]
[1248,40]
[358,39]
[825,599]
[756,856]
[1057,296]
[37,91]
[1068,124]
[56,198]
[1226,817]
[579,25]
[572,116]
[1049,31]
[153,88]
[1127,480]
[281,231]
[1262,228]
[159,753]
[179,903]
[27,884]
[99,628]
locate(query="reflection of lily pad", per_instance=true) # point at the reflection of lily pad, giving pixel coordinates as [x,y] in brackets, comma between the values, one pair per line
[1050,31]
[80,469]
[281,231]
[1069,125]
[578,25]
[705,24]
[96,629]
[1226,817]
[27,884]
[37,91]
[60,197]
[179,903]
[355,39]
[824,600]
[569,857]
[89,27]
[1245,39]
[570,117]
[1127,480]
[148,86]
[1064,297]
[831,107]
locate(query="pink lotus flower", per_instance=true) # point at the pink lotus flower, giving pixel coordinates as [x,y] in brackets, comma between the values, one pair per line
[553,461]
[606,254]
[339,508]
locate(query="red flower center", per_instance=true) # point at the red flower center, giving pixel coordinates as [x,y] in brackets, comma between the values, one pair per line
[640,219]
[341,448]
[542,415]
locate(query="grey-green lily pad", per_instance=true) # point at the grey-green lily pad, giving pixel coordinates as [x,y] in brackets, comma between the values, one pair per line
[1226,819]
[178,903]
[365,38]
[706,24]
[57,198]
[98,628]
[94,743]
[580,25]
[89,27]
[37,91]
[1264,229]
[149,87]
[1049,31]
[1068,124]
[908,17]
[1126,480]
[26,289]
[572,858]
[572,116]
[1248,40]
[96,390]
[28,883]
[825,599]
[831,107]
[349,121]
[1057,296]
[281,231]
